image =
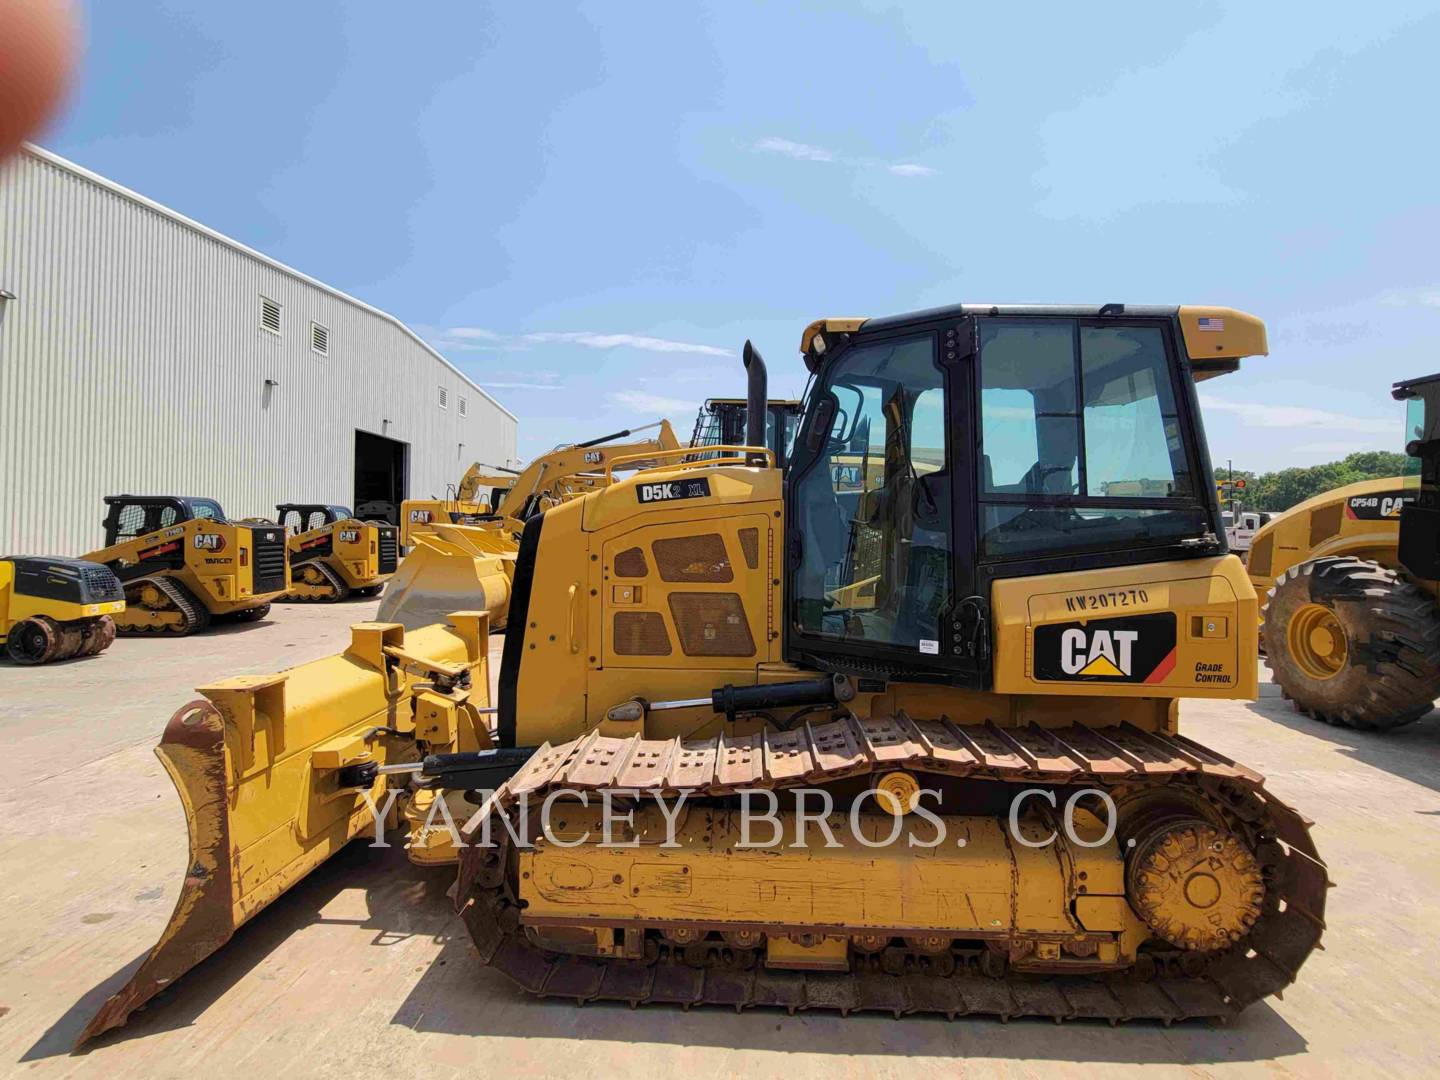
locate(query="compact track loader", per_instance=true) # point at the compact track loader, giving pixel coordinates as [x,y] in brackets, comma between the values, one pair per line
[53,608]
[1351,627]
[952,683]
[334,555]
[183,563]
[467,560]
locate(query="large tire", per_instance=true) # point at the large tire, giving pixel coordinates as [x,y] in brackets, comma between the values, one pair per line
[1352,643]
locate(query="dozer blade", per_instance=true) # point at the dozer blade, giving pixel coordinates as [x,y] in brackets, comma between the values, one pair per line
[451,568]
[271,773]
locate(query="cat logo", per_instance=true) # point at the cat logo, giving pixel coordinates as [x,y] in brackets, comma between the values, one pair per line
[594,457]
[1133,649]
[420,517]
[1107,652]
[349,536]
[209,542]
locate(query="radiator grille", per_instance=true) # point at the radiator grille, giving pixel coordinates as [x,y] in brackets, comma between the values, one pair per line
[750,547]
[389,551]
[269,562]
[693,558]
[631,563]
[101,584]
[640,633]
[711,624]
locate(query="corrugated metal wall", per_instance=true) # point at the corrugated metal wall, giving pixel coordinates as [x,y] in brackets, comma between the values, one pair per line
[132,360]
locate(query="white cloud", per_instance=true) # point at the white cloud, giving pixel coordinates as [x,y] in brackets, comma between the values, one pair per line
[520,386]
[472,333]
[1424,296]
[805,152]
[1298,416]
[639,401]
[622,341]
[798,151]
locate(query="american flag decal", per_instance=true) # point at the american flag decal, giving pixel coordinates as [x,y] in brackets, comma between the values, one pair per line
[1207,323]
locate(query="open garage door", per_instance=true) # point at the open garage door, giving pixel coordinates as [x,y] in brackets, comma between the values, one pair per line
[382,477]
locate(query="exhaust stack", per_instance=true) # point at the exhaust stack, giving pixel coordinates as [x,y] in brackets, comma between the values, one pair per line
[757,392]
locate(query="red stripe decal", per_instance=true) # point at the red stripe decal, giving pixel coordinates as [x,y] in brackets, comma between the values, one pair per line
[1163,669]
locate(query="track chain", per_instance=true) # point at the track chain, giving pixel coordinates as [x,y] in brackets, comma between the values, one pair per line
[338,589]
[1209,985]
[195,614]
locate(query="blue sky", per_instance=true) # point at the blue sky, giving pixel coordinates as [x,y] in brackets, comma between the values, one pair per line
[589,209]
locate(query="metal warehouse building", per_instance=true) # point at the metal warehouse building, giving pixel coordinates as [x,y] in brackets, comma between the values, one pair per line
[141,352]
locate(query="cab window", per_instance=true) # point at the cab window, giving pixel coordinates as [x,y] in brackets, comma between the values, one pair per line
[1081,442]
[874,508]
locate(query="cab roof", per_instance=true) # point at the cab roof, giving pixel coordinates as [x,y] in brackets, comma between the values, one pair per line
[1215,337]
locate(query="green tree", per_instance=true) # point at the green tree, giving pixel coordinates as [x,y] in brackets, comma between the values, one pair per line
[1283,488]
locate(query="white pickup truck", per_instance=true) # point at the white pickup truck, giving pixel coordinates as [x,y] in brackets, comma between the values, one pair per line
[1240,529]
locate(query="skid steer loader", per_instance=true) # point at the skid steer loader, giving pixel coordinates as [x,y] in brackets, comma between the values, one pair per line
[333,555]
[469,562]
[53,609]
[183,564]
[1350,579]
[687,645]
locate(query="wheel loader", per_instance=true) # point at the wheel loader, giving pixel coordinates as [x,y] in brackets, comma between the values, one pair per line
[1350,577]
[468,560]
[53,608]
[333,555]
[722,421]
[183,564]
[979,643]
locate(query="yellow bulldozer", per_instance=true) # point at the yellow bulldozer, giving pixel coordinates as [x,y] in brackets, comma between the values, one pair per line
[333,555]
[53,609]
[183,563]
[717,773]
[1350,623]
[459,558]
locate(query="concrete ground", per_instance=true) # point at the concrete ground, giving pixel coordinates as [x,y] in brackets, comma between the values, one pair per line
[362,970]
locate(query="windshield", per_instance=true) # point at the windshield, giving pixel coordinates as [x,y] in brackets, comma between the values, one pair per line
[874,508]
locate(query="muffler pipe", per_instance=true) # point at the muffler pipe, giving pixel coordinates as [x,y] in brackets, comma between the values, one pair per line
[757,393]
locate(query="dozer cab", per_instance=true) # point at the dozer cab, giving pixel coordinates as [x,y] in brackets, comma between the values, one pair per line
[184,564]
[334,555]
[721,421]
[467,560]
[53,608]
[1350,579]
[969,669]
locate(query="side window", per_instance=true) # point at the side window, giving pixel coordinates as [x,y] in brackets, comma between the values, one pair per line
[203,512]
[1030,428]
[317,519]
[1133,445]
[167,517]
[1081,442]
[132,521]
[290,520]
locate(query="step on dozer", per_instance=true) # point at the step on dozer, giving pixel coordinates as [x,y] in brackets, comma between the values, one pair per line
[334,555]
[692,645]
[183,564]
[53,608]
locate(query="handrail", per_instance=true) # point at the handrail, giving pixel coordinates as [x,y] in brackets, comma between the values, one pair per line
[740,456]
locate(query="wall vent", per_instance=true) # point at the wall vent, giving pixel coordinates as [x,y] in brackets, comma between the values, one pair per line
[320,338]
[444,398]
[269,315]
[464,407]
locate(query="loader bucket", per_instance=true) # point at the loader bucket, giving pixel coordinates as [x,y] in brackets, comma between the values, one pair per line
[451,568]
[258,771]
